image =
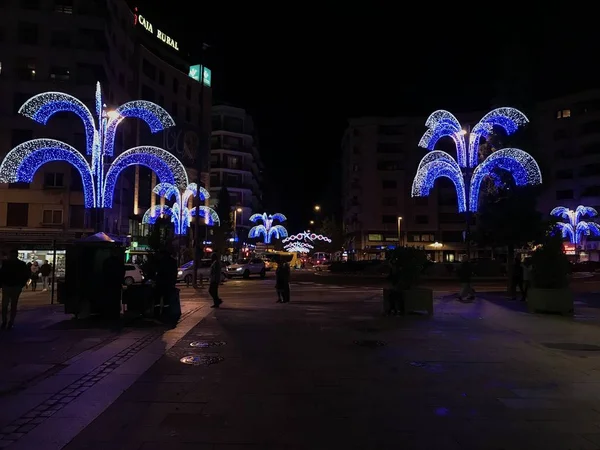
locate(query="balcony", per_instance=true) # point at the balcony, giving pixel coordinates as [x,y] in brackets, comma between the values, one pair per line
[231,184]
[230,166]
[218,144]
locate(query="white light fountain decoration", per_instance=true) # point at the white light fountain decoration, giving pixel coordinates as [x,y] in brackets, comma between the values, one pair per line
[298,247]
[306,236]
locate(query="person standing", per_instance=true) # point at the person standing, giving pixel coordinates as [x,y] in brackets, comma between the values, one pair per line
[284,282]
[527,269]
[464,276]
[166,280]
[45,271]
[35,274]
[13,278]
[517,278]
[215,279]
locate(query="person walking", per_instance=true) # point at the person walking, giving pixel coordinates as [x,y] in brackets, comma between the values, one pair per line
[215,279]
[35,274]
[45,271]
[13,278]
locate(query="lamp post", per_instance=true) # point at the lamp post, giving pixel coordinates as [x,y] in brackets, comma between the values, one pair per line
[235,211]
[98,164]
[399,234]
[468,173]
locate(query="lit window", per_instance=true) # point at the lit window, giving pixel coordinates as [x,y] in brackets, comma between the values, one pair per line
[563,113]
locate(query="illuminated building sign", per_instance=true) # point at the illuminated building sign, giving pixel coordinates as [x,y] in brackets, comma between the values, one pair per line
[206,75]
[569,249]
[141,20]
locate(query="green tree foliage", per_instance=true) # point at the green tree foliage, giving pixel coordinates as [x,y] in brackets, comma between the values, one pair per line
[333,230]
[222,233]
[551,266]
[406,265]
[160,235]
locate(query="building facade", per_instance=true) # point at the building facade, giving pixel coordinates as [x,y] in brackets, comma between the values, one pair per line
[67,46]
[236,163]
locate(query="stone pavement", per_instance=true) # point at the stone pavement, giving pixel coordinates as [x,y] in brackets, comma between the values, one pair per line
[52,365]
[328,371]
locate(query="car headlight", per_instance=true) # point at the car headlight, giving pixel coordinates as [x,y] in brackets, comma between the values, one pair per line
[180,272]
[239,269]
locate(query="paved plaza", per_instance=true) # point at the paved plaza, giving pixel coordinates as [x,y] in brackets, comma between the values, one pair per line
[326,371]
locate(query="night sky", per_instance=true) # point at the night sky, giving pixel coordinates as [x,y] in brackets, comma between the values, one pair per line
[302,70]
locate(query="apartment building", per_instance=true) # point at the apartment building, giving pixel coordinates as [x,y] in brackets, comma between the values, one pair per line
[236,163]
[67,46]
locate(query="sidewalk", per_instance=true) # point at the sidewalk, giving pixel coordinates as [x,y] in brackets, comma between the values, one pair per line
[50,362]
[333,373]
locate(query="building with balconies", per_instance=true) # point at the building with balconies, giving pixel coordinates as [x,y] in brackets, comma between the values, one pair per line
[235,161]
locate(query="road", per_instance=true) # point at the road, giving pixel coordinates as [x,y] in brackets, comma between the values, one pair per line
[328,371]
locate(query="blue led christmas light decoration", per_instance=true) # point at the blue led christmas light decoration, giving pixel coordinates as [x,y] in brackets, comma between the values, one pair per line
[267,230]
[575,229]
[167,167]
[21,163]
[181,214]
[436,164]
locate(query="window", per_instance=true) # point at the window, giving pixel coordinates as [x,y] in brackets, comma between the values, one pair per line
[450,218]
[161,78]
[188,92]
[216,123]
[89,73]
[188,114]
[30,4]
[591,149]
[389,219]
[564,194]
[561,134]
[591,127]
[60,73]
[388,165]
[391,130]
[589,170]
[389,184]
[60,39]
[17,214]
[234,124]
[564,174]
[147,93]
[389,147]
[389,201]
[25,68]
[52,216]
[422,219]
[19,136]
[232,142]
[174,109]
[63,6]
[54,179]
[375,237]
[175,85]
[563,114]
[149,69]
[592,191]
[27,33]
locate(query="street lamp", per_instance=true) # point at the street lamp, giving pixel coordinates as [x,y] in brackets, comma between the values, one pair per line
[399,235]
[235,211]
[312,222]
[317,208]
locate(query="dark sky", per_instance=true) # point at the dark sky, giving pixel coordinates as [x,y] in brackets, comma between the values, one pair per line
[302,70]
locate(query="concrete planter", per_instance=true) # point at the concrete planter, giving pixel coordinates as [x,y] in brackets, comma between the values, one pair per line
[411,300]
[550,300]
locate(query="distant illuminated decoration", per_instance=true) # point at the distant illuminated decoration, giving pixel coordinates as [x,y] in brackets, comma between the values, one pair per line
[267,230]
[437,164]
[307,236]
[195,73]
[180,212]
[576,228]
[298,247]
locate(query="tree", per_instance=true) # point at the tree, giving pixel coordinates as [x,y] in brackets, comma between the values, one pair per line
[333,230]
[222,232]
[508,218]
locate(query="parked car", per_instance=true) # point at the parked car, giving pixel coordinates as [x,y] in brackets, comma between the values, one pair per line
[133,274]
[186,272]
[246,267]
